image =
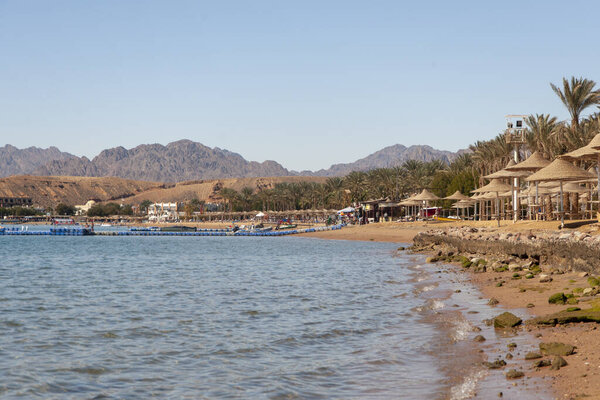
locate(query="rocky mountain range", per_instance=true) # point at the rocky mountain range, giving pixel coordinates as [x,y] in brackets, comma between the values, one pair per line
[185,160]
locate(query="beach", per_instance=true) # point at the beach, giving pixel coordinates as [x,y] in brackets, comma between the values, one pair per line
[579,379]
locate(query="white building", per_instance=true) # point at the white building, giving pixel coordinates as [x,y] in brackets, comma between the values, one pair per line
[81,210]
[162,212]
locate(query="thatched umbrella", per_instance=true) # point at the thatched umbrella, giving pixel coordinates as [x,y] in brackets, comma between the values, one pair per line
[589,152]
[425,196]
[459,197]
[462,204]
[562,171]
[497,187]
[534,162]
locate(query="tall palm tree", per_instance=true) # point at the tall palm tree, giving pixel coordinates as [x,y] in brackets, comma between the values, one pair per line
[577,95]
[541,134]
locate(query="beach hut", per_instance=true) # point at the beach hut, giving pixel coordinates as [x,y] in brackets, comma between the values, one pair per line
[561,171]
[496,187]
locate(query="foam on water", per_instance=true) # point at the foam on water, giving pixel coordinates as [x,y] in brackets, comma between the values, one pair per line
[467,389]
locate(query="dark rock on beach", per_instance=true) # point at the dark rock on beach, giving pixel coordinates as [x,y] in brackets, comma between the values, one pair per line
[557,349]
[514,374]
[558,362]
[506,320]
[495,365]
[532,355]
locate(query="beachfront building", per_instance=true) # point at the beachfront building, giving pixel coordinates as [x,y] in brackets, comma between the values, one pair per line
[83,209]
[6,202]
[163,212]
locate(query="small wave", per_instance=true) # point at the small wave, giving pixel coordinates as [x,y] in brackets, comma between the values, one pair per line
[468,387]
[437,305]
[336,333]
[461,330]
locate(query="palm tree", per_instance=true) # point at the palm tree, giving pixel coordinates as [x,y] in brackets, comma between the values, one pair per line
[541,134]
[577,95]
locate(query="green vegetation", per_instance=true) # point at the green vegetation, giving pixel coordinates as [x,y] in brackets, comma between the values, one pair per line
[18,212]
[557,298]
[64,209]
[108,209]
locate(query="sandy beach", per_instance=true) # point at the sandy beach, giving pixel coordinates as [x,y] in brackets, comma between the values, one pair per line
[579,379]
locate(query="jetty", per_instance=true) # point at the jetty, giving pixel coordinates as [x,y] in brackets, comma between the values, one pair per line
[83,231]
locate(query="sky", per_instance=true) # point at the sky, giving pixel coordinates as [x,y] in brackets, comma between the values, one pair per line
[305,83]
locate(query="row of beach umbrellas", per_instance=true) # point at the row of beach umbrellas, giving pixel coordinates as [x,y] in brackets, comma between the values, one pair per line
[550,177]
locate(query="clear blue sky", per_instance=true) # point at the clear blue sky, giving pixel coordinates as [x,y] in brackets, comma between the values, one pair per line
[306,83]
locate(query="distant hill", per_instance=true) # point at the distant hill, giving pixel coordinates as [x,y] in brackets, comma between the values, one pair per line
[390,156]
[186,160]
[14,161]
[178,161]
[48,191]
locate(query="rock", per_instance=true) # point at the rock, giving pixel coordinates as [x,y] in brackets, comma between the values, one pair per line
[529,276]
[583,274]
[530,305]
[493,301]
[565,317]
[572,309]
[557,349]
[513,267]
[506,320]
[545,278]
[514,374]
[533,355]
[558,362]
[557,298]
[542,363]
[479,338]
[431,259]
[476,329]
[587,291]
[512,345]
[494,365]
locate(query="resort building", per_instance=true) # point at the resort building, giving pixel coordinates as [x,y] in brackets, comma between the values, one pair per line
[15,202]
[163,212]
[82,210]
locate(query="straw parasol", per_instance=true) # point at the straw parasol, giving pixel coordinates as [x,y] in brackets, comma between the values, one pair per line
[589,152]
[457,196]
[570,187]
[535,162]
[507,173]
[562,171]
[494,186]
[425,195]
[497,187]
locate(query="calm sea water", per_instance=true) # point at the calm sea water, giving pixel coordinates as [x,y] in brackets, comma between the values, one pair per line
[227,317]
[222,317]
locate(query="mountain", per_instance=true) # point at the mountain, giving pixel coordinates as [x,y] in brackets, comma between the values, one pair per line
[178,161]
[15,161]
[390,156]
[185,160]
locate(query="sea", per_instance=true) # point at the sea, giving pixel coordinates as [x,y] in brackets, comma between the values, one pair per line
[113,317]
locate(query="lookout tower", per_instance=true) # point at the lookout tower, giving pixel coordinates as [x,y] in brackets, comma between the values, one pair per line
[515,135]
[515,130]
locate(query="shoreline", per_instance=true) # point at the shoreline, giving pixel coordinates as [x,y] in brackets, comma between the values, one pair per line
[527,298]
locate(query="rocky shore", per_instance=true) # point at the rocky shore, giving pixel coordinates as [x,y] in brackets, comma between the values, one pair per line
[551,277]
